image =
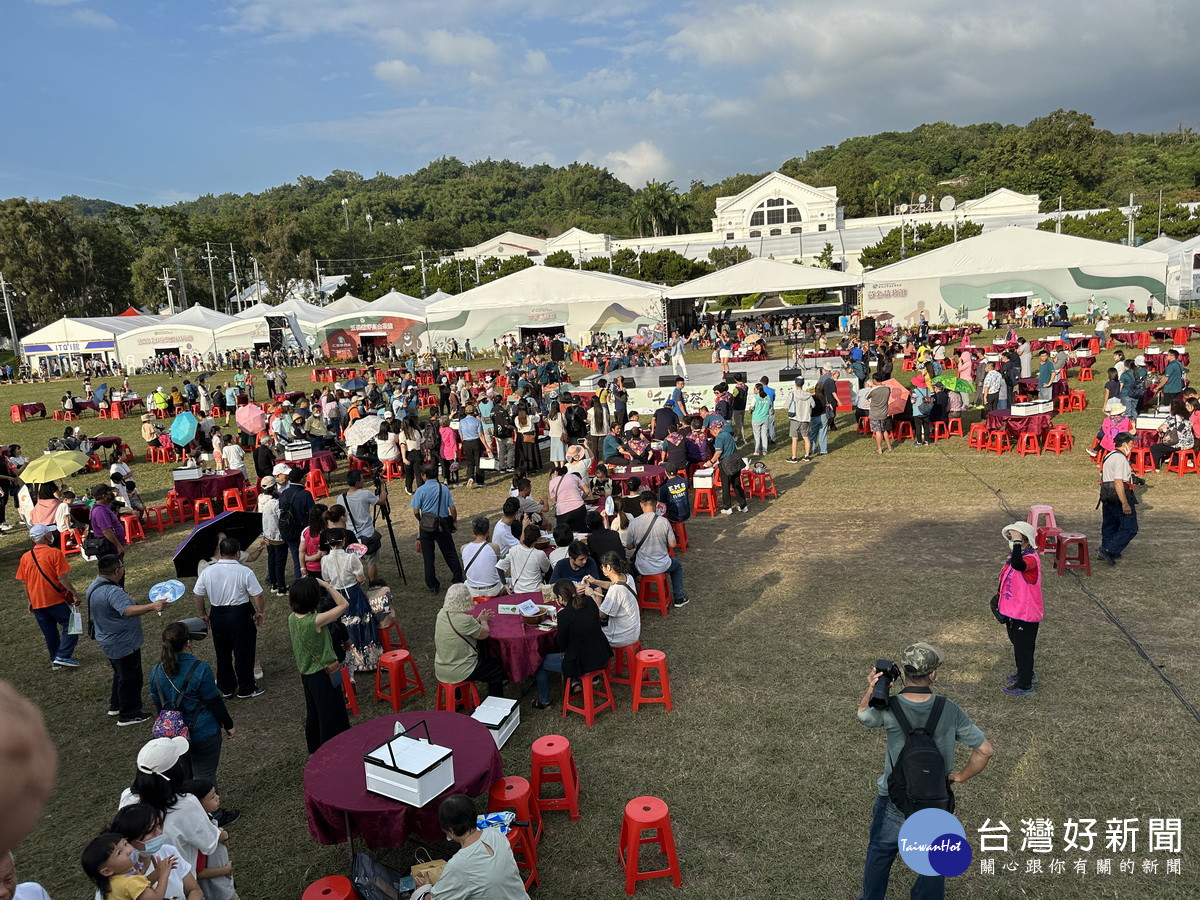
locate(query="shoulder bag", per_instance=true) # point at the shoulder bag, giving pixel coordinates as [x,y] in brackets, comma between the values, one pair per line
[374,542]
[633,556]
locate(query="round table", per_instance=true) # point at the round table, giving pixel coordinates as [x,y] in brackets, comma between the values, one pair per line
[1003,420]
[321,460]
[336,800]
[651,475]
[211,486]
[127,405]
[520,647]
[27,410]
[105,440]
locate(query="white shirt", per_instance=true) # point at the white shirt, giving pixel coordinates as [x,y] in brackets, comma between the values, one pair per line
[234,457]
[624,625]
[341,569]
[525,567]
[227,583]
[480,571]
[502,537]
[269,507]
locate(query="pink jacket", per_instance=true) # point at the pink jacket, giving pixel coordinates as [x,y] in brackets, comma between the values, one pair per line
[449,442]
[1019,598]
[1110,428]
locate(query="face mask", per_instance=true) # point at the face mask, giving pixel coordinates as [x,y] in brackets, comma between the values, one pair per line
[154,844]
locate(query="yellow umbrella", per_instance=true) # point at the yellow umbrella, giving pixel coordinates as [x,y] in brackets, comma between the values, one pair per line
[53,466]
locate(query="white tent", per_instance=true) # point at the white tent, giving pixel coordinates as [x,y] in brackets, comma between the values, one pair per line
[253,312]
[550,301]
[346,304]
[952,283]
[394,318]
[70,337]
[761,276]
[1183,270]
[191,331]
[1162,243]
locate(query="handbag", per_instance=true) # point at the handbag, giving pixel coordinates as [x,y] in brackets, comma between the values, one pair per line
[375,881]
[1001,618]
[372,543]
[170,722]
[429,869]
[529,437]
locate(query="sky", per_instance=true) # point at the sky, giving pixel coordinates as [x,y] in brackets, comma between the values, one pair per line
[139,101]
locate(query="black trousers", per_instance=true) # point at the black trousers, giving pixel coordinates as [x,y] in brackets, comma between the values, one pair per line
[490,670]
[1023,637]
[234,636]
[445,542]
[732,481]
[325,713]
[126,693]
[472,453]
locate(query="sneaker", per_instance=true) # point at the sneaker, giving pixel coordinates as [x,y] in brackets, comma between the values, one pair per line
[114,712]
[60,663]
[136,720]
[1106,556]
[918,443]
[258,673]
[681,601]
[5,526]
[224,696]
[540,704]
[743,509]
[1092,453]
[1015,691]
[793,459]
[727,512]
[806,459]
[1012,679]
[258,691]
[470,482]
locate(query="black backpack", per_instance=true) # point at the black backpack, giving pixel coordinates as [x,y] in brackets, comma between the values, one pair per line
[1138,387]
[918,779]
[501,423]
[289,526]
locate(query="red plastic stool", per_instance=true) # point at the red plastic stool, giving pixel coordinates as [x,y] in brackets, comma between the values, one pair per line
[954,429]
[654,592]
[1078,400]
[204,510]
[69,542]
[1062,404]
[524,850]
[314,481]
[1140,460]
[452,696]
[348,690]
[977,436]
[180,507]
[758,484]
[1183,462]
[704,500]
[590,692]
[681,539]
[646,662]
[646,814]
[1064,559]
[902,430]
[908,365]
[232,499]
[161,455]
[392,637]
[93,463]
[941,431]
[334,887]
[1047,538]
[1058,439]
[133,528]
[1028,443]
[620,667]
[403,679]
[393,469]
[514,792]
[554,763]
[1085,374]
[997,443]
[159,518]
[1040,515]
[250,498]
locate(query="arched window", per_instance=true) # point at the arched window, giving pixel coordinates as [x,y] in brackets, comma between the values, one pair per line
[775,211]
[756,234]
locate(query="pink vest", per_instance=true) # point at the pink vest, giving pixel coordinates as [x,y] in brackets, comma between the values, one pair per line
[1110,428]
[1018,598]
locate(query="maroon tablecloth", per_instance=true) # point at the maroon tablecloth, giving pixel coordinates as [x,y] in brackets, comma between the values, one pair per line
[652,476]
[127,405]
[1125,337]
[211,486]
[322,460]
[519,646]
[32,409]
[1084,360]
[1017,425]
[335,784]
[1146,438]
[1030,386]
[105,440]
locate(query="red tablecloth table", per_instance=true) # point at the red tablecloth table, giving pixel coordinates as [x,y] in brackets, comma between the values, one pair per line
[1003,420]
[29,410]
[652,476]
[105,440]
[127,405]
[336,800]
[1129,338]
[1146,438]
[210,486]
[519,646]
[322,461]
[290,395]
[1084,360]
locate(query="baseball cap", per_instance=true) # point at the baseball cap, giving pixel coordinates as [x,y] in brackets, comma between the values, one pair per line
[717,423]
[37,532]
[267,481]
[286,403]
[159,755]
[1140,360]
[281,469]
[921,659]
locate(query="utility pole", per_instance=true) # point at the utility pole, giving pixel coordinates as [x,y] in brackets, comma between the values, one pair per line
[166,280]
[237,285]
[318,262]
[424,286]
[212,281]
[1158,231]
[12,328]
[1130,241]
[182,287]
[257,289]
[1058,223]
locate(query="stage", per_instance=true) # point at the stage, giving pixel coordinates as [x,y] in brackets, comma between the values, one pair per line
[648,394]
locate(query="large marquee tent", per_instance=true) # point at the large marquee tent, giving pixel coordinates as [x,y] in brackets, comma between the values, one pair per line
[192,331]
[394,318]
[1012,266]
[70,338]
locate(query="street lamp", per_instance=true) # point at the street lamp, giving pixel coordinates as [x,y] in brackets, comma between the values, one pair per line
[346,211]
[370,224]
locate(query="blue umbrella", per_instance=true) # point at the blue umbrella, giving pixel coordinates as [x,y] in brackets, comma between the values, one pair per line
[99,393]
[354,384]
[183,429]
[658,344]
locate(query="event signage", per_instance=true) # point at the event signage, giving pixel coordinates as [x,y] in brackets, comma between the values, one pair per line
[891,290]
[70,347]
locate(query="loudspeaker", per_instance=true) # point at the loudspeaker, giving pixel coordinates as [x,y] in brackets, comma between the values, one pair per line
[557,352]
[733,376]
[629,382]
[666,381]
[787,375]
[866,328]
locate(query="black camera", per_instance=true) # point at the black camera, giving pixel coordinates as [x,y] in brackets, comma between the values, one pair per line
[888,672]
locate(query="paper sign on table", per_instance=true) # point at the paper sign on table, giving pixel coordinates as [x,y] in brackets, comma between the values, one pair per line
[507,609]
[529,608]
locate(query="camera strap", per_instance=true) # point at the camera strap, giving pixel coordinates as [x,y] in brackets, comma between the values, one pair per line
[916,690]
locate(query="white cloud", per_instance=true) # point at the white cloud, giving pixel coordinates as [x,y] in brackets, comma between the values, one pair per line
[640,163]
[397,72]
[464,49]
[535,63]
[90,18]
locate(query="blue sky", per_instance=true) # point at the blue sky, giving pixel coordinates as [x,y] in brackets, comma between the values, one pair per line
[154,102]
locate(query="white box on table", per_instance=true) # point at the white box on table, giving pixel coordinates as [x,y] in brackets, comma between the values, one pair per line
[408,770]
[297,450]
[702,478]
[500,715]
[186,473]
[1150,422]
[1032,408]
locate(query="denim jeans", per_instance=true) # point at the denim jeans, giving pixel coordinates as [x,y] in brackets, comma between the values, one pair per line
[126,693]
[53,621]
[882,847]
[552,663]
[1116,528]
[818,432]
[294,550]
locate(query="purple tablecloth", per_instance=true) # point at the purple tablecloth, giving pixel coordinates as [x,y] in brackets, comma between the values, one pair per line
[211,486]
[32,409]
[519,646]
[322,460]
[652,476]
[105,440]
[335,784]
[1017,425]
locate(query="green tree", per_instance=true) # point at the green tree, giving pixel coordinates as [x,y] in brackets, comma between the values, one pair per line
[560,259]
[925,238]
[278,243]
[724,257]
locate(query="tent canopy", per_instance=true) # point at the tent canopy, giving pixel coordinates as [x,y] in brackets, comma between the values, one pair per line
[199,316]
[1014,249]
[255,311]
[544,284]
[346,304]
[758,275]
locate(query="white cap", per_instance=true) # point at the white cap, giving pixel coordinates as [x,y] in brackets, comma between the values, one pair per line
[1140,360]
[281,469]
[37,532]
[159,755]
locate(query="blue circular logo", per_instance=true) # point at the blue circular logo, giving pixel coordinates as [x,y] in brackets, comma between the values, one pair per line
[933,842]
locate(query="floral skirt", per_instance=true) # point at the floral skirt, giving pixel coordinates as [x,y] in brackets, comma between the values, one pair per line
[364,650]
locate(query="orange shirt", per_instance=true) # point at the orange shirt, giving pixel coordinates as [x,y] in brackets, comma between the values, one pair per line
[54,564]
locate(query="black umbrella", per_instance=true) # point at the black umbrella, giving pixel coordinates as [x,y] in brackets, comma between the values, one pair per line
[206,375]
[202,542]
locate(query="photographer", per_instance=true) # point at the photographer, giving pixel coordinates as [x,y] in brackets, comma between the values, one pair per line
[915,707]
[360,506]
[433,508]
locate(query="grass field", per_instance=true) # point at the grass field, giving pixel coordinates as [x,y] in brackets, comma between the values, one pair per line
[768,775]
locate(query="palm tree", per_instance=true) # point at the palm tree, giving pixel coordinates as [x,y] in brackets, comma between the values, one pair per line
[653,206]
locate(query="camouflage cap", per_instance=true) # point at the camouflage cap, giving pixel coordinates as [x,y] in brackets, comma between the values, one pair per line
[921,659]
